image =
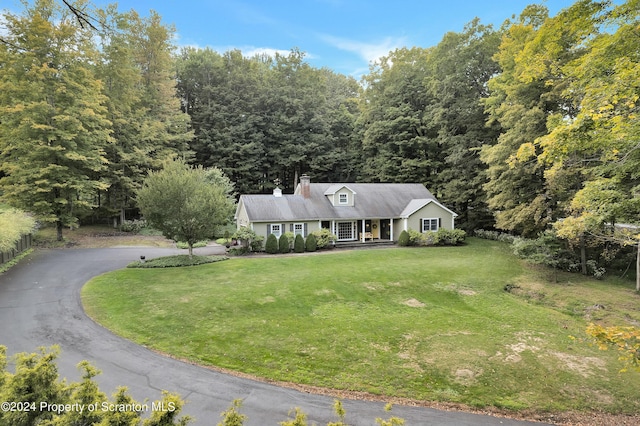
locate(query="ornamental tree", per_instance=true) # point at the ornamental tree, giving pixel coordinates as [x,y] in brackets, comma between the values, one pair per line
[183,203]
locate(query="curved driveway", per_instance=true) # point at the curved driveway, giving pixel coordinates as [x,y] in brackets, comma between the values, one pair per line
[40,306]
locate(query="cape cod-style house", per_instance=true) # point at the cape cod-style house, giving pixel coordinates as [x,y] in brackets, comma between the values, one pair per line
[352,211]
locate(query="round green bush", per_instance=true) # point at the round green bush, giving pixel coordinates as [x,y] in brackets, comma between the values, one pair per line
[271,246]
[283,244]
[311,244]
[404,239]
[298,244]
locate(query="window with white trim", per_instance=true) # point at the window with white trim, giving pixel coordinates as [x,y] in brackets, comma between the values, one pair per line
[276,229]
[343,198]
[298,229]
[346,231]
[429,224]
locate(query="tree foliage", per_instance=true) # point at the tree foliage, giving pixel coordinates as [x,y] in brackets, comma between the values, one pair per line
[148,126]
[298,244]
[283,244]
[54,126]
[271,246]
[183,203]
[14,224]
[263,118]
[625,339]
[36,381]
[530,126]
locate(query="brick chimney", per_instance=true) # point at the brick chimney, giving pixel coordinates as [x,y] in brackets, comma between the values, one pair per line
[305,186]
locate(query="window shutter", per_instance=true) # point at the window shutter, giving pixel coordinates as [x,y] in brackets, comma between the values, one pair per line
[291,227]
[304,231]
[439,222]
[268,229]
[283,229]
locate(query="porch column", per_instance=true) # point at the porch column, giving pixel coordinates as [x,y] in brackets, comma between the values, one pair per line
[362,233]
[391,230]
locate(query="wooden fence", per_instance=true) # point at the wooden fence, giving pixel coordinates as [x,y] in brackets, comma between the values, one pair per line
[23,244]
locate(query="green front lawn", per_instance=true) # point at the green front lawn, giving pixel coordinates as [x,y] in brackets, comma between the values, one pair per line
[422,323]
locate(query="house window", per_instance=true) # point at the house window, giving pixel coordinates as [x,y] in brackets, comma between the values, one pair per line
[429,224]
[343,198]
[298,229]
[345,231]
[275,228]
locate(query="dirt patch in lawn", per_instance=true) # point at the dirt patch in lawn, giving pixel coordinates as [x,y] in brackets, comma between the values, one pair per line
[414,303]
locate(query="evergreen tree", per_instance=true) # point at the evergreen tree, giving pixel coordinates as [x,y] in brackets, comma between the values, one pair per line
[298,245]
[148,124]
[271,245]
[460,66]
[398,143]
[283,244]
[311,243]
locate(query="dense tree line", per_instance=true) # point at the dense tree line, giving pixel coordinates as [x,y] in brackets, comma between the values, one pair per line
[84,114]
[526,127]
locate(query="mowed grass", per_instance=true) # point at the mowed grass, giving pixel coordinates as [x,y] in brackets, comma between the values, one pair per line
[421,323]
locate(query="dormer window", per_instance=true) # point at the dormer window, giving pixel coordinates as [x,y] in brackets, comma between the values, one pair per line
[341,195]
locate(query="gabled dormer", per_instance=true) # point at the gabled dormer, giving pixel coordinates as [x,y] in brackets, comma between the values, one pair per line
[341,195]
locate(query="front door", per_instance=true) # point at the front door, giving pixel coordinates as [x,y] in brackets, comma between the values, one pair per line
[385,229]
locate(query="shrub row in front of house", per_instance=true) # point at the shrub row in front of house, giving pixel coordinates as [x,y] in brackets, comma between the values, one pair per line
[442,237]
[288,242]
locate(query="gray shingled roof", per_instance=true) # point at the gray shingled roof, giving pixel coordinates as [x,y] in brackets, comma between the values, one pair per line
[372,201]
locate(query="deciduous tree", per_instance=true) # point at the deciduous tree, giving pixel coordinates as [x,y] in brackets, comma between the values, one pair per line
[54,127]
[183,203]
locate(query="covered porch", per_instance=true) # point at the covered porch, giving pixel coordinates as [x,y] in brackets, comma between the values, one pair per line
[362,230]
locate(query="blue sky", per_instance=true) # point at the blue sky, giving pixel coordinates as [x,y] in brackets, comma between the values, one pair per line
[344,35]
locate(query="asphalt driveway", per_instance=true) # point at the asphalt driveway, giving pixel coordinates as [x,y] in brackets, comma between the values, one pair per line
[40,306]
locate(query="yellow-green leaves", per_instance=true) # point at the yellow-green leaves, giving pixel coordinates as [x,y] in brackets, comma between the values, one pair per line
[13,224]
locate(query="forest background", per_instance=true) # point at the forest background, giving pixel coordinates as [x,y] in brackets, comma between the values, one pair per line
[525,128]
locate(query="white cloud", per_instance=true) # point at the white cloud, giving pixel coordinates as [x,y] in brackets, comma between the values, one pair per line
[370,52]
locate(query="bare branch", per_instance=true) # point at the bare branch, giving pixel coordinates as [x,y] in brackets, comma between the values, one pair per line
[83,17]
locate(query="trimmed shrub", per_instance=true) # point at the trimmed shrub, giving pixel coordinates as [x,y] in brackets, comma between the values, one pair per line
[183,245]
[246,236]
[298,245]
[495,235]
[311,243]
[324,238]
[238,251]
[257,243]
[417,238]
[271,246]
[176,261]
[446,237]
[403,239]
[283,244]
[134,226]
[291,238]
